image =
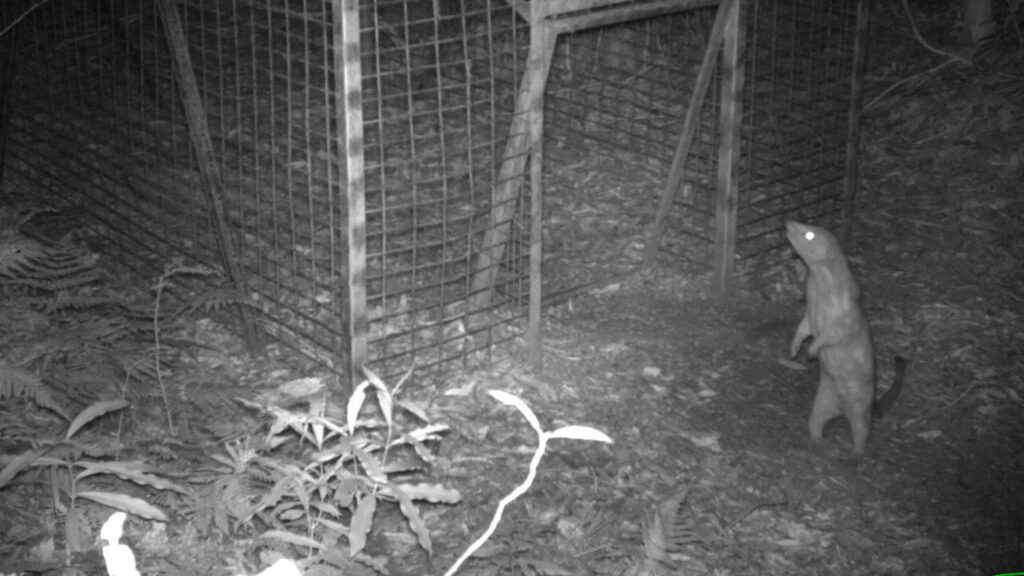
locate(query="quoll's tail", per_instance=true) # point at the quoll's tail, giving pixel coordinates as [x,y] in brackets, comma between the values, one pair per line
[883,404]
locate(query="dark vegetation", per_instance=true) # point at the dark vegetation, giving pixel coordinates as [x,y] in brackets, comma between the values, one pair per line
[120,397]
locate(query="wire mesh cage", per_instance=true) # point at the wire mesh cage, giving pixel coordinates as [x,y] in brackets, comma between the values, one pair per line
[220,130]
[621,91]
[440,85]
[797,134]
[100,128]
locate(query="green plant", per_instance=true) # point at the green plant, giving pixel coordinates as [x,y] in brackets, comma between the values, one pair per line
[66,340]
[63,342]
[177,267]
[321,499]
[73,460]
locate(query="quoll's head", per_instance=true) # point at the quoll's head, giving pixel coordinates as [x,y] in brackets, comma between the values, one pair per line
[812,243]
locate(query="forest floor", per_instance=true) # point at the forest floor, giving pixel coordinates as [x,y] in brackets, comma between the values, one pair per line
[708,419]
[701,403]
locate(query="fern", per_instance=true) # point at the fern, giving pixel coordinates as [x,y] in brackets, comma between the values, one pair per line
[61,342]
[16,382]
[85,343]
[230,494]
[64,300]
[53,267]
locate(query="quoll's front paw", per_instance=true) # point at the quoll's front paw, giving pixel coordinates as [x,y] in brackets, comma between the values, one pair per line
[812,350]
[794,348]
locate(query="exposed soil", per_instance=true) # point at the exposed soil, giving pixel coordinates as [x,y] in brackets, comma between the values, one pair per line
[698,401]
[696,398]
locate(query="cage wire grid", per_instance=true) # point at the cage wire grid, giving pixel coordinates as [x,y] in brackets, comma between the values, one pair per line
[622,91]
[438,94]
[796,134]
[97,129]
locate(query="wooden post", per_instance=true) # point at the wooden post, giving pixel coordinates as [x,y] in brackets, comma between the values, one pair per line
[517,150]
[547,20]
[348,75]
[700,90]
[542,51]
[730,120]
[503,199]
[202,147]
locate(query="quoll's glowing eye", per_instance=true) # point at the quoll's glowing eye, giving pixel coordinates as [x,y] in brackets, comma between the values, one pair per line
[809,236]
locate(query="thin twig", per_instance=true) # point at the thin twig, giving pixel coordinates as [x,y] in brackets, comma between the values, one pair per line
[927,46]
[751,510]
[959,398]
[22,17]
[904,81]
[950,58]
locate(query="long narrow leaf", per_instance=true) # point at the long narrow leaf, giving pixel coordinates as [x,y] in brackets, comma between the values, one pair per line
[290,538]
[371,465]
[19,463]
[136,472]
[362,521]
[514,401]
[126,503]
[92,412]
[355,404]
[434,493]
[412,514]
[383,396]
[405,377]
[580,433]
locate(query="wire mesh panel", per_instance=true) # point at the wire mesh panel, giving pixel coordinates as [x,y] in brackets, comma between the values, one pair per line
[99,129]
[79,103]
[440,83]
[100,122]
[263,77]
[795,109]
[622,91]
[796,121]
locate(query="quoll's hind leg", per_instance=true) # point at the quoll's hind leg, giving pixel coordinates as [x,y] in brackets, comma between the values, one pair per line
[826,407]
[859,415]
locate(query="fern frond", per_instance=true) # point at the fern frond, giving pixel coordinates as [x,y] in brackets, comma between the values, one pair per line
[101,449]
[57,282]
[64,300]
[87,383]
[44,352]
[14,424]
[49,267]
[668,531]
[106,330]
[15,382]
[228,498]
[141,362]
[214,300]
[19,318]
[177,267]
